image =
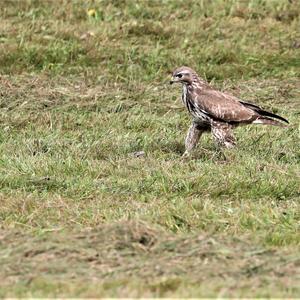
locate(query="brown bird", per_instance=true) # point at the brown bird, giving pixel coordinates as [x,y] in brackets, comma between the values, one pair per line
[216,111]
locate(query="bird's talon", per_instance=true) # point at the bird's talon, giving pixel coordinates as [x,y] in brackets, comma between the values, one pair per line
[186,155]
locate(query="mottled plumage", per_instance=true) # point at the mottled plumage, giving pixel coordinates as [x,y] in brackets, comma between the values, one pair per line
[216,111]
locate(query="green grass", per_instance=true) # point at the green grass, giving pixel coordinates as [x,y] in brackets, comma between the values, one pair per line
[83,86]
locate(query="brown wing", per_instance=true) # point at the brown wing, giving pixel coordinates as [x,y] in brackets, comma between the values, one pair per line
[222,107]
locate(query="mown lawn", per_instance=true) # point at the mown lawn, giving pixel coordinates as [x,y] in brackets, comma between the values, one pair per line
[83,88]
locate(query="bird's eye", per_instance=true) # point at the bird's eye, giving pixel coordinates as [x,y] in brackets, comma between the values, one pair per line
[179,75]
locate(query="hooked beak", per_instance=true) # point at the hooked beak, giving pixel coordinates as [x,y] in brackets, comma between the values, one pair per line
[173,80]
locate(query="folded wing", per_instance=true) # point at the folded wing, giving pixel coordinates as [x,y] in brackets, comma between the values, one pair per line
[223,107]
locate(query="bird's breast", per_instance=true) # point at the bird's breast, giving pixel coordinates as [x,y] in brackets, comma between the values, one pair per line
[184,94]
[198,115]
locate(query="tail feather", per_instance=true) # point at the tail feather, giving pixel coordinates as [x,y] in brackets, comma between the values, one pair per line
[266,115]
[268,121]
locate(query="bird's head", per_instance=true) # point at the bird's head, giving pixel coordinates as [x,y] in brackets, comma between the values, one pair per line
[184,75]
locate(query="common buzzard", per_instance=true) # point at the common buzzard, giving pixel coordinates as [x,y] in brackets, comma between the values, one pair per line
[216,111]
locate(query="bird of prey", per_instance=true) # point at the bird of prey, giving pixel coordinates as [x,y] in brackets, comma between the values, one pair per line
[215,111]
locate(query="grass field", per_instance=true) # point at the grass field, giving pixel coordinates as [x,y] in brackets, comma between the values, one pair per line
[83,87]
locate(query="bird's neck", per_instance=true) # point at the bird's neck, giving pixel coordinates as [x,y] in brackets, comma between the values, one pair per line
[196,83]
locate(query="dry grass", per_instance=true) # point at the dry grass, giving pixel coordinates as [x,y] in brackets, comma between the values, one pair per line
[134,259]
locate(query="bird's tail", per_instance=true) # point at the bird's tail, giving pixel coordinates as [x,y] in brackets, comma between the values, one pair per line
[265,117]
[268,121]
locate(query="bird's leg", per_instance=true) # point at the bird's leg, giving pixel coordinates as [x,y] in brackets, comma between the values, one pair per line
[192,138]
[223,135]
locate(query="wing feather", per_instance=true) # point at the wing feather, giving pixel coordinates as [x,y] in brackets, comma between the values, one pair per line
[262,112]
[223,107]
